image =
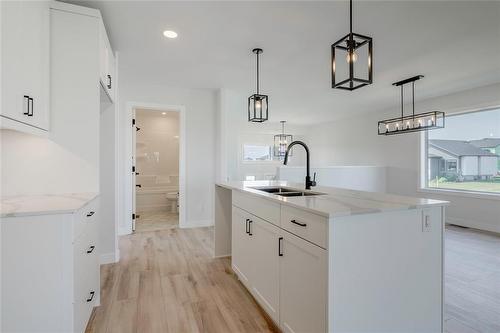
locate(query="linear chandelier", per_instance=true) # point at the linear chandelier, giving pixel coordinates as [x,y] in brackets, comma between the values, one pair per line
[357,69]
[257,103]
[414,122]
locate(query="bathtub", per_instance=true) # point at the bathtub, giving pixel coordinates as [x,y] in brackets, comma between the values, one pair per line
[152,195]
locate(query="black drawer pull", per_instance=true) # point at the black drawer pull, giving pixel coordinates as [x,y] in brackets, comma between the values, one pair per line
[246,226]
[298,223]
[109,80]
[30,101]
[250,228]
[280,240]
[27,98]
[92,293]
[91,249]
[90,214]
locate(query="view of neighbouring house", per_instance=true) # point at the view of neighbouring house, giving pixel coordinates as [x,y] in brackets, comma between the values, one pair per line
[490,144]
[463,160]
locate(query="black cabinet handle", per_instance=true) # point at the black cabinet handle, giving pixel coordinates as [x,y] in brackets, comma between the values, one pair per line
[280,240]
[298,223]
[109,80]
[27,98]
[250,227]
[92,293]
[90,214]
[246,226]
[138,185]
[91,249]
[30,101]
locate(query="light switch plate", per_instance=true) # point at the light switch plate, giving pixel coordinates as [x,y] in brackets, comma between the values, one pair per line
[426,222]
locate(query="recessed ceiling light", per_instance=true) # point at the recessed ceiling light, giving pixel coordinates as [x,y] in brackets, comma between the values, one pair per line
[163,113]
[170,34]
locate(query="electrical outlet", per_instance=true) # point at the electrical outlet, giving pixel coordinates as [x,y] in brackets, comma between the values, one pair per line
[426,223]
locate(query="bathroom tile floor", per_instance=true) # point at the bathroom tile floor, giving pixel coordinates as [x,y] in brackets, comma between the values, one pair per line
[160,220]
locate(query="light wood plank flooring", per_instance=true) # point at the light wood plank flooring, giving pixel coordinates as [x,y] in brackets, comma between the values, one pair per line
[472,281]
[166,281]
[152,221]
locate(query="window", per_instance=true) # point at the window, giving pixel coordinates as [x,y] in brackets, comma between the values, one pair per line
[257,153]
[465,155]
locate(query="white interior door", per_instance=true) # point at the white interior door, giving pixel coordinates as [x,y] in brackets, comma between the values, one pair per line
[134,169]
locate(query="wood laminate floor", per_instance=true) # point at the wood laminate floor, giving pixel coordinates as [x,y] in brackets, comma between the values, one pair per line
[472,281]
[167,281]
[158,220]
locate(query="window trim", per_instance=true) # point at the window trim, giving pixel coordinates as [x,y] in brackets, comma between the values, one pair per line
[424,165]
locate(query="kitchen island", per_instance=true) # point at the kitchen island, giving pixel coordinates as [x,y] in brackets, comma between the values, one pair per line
[334,260]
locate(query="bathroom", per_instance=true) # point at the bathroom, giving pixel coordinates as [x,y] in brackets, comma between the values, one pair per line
[157,169]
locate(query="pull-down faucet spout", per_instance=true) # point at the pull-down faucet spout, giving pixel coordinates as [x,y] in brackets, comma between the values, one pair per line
[309,182]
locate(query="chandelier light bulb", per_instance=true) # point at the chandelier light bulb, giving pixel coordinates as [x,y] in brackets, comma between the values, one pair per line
[351,56]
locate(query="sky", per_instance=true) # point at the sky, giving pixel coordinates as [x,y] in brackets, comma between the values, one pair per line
[470,126]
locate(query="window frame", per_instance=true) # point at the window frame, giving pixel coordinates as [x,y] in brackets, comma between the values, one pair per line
[424,165]
[242,155]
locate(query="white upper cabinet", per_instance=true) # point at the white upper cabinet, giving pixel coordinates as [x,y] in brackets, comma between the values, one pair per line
[25,65]
[107,64]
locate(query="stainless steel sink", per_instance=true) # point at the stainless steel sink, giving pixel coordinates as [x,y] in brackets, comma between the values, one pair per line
[287,192]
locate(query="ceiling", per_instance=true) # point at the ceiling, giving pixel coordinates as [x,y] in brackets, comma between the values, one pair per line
[455,44]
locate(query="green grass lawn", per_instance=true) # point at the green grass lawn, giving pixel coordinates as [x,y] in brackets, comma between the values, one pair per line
[483,186]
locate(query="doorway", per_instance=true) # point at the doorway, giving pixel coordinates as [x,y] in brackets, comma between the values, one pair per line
[157,157]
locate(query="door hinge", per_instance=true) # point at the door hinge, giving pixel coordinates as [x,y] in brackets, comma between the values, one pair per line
[133,169]
[133,216]
[133,122]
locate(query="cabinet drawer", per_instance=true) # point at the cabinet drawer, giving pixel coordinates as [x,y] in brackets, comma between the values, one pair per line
[85,218]
[86,264]
[263,208]
[309,226]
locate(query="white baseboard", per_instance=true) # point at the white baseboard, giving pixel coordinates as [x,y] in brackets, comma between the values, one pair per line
[108,258]
[472,224]
[197,224]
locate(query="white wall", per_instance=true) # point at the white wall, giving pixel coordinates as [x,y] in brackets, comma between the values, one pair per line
[200,106]
[363,178]
[354,141]
[157,145]
[107,194]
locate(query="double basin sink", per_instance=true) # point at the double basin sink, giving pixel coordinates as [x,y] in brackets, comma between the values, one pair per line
[287,191]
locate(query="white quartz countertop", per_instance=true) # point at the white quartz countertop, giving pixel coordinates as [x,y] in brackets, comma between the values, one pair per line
[27,205]
[336,201]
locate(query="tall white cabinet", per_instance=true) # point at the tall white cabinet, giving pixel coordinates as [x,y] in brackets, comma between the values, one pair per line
[25,64]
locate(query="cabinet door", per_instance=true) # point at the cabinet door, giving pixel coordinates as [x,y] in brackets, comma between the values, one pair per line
[25,61]
[303,286]
[241,258]
[265,254]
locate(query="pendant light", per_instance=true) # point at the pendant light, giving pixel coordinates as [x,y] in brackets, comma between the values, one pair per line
[257,103]
[281,142]
[352,60]
[414,122]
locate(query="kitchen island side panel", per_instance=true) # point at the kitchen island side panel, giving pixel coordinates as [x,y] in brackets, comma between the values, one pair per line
[385,272]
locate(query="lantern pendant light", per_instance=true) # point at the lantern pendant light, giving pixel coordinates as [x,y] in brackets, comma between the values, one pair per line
[414,122]
[352,60]
[257,103]
[281,142]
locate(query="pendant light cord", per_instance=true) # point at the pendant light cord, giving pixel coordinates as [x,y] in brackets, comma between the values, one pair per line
[350,16]
[257,73]
[413,98]
[402,105]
